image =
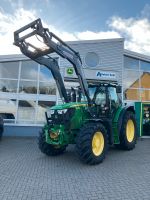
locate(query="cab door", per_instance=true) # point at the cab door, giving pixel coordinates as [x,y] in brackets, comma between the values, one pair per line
[113,100]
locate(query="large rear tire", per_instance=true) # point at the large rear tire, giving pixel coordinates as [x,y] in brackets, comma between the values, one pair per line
[128,133]
[48,149]
[92,143]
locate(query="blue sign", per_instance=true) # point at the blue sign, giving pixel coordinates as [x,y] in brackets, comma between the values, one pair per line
[106,75]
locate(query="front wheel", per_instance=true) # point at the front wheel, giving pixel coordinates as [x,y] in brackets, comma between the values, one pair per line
[48,149]
[91,143]
[128,133]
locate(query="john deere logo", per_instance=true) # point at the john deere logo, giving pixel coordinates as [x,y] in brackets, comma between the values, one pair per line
[70,71]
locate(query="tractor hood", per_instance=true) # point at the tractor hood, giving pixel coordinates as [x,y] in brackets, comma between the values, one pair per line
[68,105]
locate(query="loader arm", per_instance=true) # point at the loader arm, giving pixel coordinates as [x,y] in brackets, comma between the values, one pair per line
[52,44]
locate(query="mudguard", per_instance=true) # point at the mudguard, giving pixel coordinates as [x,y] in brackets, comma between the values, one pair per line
[122,114]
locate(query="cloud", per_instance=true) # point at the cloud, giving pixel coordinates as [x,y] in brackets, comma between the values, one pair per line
[136,31]
[89,35]
[11,22]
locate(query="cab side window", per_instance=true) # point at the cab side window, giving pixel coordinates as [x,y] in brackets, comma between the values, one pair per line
[113,97]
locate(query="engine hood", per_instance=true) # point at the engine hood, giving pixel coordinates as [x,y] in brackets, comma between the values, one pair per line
[68,105]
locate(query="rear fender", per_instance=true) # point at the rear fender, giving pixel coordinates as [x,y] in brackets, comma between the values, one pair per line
[122,114]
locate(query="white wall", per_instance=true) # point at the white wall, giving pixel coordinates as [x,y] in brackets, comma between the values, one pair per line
[110,53]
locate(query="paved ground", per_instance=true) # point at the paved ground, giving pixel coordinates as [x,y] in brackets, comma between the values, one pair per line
[26,173]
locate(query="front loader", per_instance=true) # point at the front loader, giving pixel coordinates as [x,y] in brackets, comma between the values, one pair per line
[91,116]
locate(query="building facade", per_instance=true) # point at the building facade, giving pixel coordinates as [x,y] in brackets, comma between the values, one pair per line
[136,77]
[27,88]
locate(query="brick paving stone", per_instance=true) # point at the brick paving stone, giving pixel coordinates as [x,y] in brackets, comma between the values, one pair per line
[26,173]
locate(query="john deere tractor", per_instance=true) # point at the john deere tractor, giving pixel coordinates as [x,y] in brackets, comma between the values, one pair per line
[91,116]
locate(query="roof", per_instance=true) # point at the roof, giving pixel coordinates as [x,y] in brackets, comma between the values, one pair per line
[136,55]
[95,41]
[13,57]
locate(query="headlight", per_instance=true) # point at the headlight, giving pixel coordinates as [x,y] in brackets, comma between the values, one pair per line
[65,110]
[53,135]
[52,112]
[62,111]
[49,113]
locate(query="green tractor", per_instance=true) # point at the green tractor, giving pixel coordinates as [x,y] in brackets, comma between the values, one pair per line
[91,116]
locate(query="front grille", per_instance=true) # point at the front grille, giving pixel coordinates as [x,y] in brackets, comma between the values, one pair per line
[63,118]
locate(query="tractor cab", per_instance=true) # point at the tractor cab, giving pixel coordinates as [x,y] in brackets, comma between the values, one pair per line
[105,98]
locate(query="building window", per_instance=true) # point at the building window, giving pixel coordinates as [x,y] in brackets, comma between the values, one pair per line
[27,78]
[136,79]
[145,94]
[8,85]
[28,87]
[45,74]
[131,79]
[145,66]
[132,94]
[9,70]
[48,88]
[145,80]
[8,110]
[26,111]
[29,70]
[91,59]
[131,63]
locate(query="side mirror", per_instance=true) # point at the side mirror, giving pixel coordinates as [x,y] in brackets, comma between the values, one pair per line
[118,89]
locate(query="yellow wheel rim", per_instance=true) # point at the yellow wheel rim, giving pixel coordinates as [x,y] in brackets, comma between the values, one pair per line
[130,130]
[98,143]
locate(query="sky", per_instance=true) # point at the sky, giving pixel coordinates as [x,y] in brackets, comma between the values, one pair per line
[79,20]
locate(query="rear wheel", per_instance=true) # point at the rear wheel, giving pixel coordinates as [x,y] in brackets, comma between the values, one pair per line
[128,132]
[49,149]
[91,143]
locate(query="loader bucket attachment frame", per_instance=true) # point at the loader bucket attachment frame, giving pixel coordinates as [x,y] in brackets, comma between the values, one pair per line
[36,29]
[48,37]
[52,44]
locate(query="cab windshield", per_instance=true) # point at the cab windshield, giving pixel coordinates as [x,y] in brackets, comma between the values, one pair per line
[91,93]
[96,94]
